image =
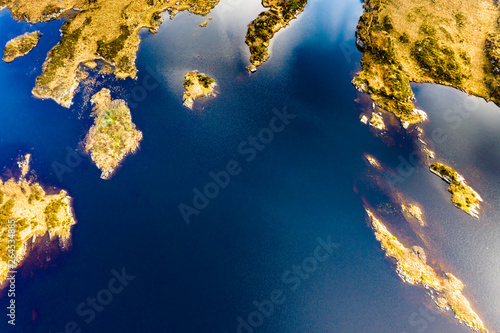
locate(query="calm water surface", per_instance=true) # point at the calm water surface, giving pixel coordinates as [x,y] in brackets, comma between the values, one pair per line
[203,276]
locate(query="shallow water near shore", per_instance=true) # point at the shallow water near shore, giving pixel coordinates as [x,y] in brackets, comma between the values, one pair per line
[201,277]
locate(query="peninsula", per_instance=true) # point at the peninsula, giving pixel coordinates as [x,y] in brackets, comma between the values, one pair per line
[97,29]
[113,135]
[21,46]
[262,29]
[26,212]
[445,289]
[463,196]
[197,85]
[436,41]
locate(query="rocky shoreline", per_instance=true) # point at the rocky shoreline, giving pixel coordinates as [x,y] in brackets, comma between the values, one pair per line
[21,46]
[197,85]
[28,212]
[266,25]
[463,196]
[411,266]
[113,136]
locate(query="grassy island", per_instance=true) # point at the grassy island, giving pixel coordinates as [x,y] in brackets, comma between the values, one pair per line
[21,46]
[113,135]
[27,211]
[197,85]
[454,43]
[412,267]
[262,29]
[463,196]
[97,29]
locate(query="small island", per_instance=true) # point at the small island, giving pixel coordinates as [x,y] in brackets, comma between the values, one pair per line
[413,211]
[28,212]
[113,135]
[445,289]
[267,24]
[197,85]
[463,196]
[21,46]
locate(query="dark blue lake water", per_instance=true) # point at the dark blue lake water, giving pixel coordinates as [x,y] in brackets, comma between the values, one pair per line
[242,248]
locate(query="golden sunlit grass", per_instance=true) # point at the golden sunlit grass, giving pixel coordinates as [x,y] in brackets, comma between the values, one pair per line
[262,29]
[34,213]
[197,85]
[101,29]
[437,41]
[412,267]
[463,196]
[20,46]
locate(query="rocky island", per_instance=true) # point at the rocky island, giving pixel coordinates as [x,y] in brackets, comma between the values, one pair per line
[262,29]
[197,85]
[27,212]
[445,289]
[434,41]
[463,196]
[21,46]
[413,211]
[113,135]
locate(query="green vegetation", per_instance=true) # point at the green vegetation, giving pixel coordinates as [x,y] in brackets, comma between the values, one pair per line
[61,54]
[187,83]
[94,30]
[52,211]
[51,10]
[25,212]
[21,46]
[205,81]
[492,80]
[262,29]
[113,135]
[110,50]
[438,61]
[404,41]
[6,212]
[36,193]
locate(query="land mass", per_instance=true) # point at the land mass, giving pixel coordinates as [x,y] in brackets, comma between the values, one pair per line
[454,43]
[463,196]
[445,289]
[108,30]
[197,85]
[113,135]
[21,46]
[99,29]
[262,29]
[27,211]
